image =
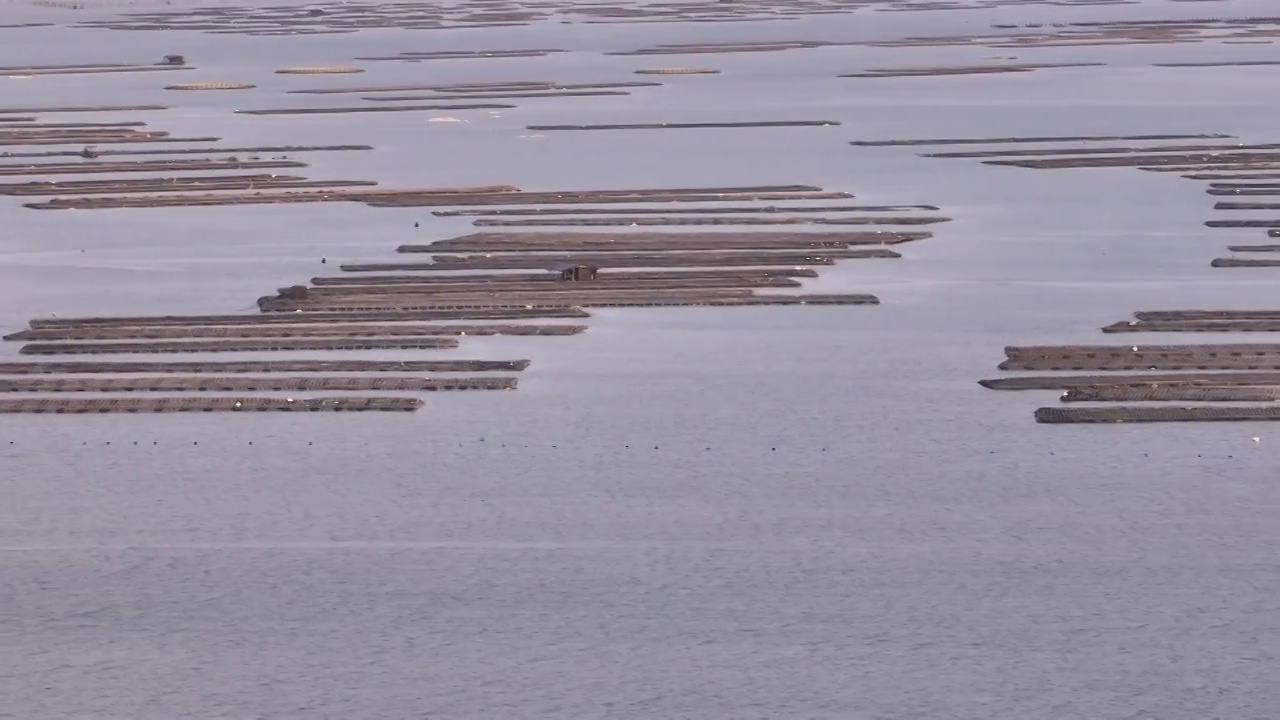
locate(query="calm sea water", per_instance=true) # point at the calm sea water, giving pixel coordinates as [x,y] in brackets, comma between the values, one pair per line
[683,513]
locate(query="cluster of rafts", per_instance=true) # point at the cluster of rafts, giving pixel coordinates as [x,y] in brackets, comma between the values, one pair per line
[1137,382]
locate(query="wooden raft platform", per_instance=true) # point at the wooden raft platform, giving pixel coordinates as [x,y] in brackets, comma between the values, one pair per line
[271,344]
[210,404]
[1067,382]
[1167,393]
[254,384]
[672,299]
[502,279]
[1140,357]
[312,318]
[169,332]
[265,366]
[1059,415]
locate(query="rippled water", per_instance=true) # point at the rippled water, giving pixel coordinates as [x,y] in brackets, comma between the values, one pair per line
[683,513]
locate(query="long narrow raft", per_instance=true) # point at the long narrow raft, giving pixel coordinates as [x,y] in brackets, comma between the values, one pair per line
[660,221]
[210,404]
[501,279]
[1245,262]
[1133,326]
[254,384]
[604,300]
[1167,393]
[1059,415]
[272,344]
[440,288]
[287,331]
[617,260]
[487,242]
[1136,380]
[743,209]
[314,318]
[265,366]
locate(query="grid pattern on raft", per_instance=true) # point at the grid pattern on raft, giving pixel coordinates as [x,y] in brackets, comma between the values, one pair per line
[272,344]
[209,404]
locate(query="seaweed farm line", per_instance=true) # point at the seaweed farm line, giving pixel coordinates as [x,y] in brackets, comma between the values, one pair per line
[210,404]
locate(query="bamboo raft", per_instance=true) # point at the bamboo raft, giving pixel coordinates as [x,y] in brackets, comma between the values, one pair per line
[617,260]
[1044,139]
[743,209]
[82,168]
[551,278]
[709,298]
[1138,380]
[255,384]
[1244,262]
[689,126]
[288,331]
[641,242]
[210,404]
[1260,325]
[510,86]
[202,184]
[1137,160]
[962,70]
[265,366]
[520,313]
[1228,205]
[1151,357]
[472,288]
[81,109]
[668,221]
[78,139]
[250,345]
[464,54]
[1061,415]
[1254,248]
[113,152]
[1171,393]
[495,95]
[1244,223]
[373,109]
[1127,150]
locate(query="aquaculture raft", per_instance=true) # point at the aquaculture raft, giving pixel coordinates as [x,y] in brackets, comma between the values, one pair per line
[253,384]
[210,404]
[1053,415]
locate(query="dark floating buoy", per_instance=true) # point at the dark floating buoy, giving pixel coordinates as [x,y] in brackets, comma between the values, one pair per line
[324,260]
[174,60]
[415,224]
[88,152]
[315,12]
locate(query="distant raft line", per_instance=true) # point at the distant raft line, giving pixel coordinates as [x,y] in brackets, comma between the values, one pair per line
[103,140]
[500,279]
[1033,139]
[210,404]
[211,86]
[427,197]
[768,209]
[82,109]
[1245,262]
[193,151]
[463,54]
[331,70]
[288,331]
[424,288]
[264,366]
[1134,326]
[520,313]
[378,109]
[1156,414]
[498,95]
[200,383]
[542,241]
[669,300]
[127,167]
[690,126]
[515,86]
[1128,150]
[249,345]
[1148,379]
[180,186]
[624,260]
[1171,393]
[657,221]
